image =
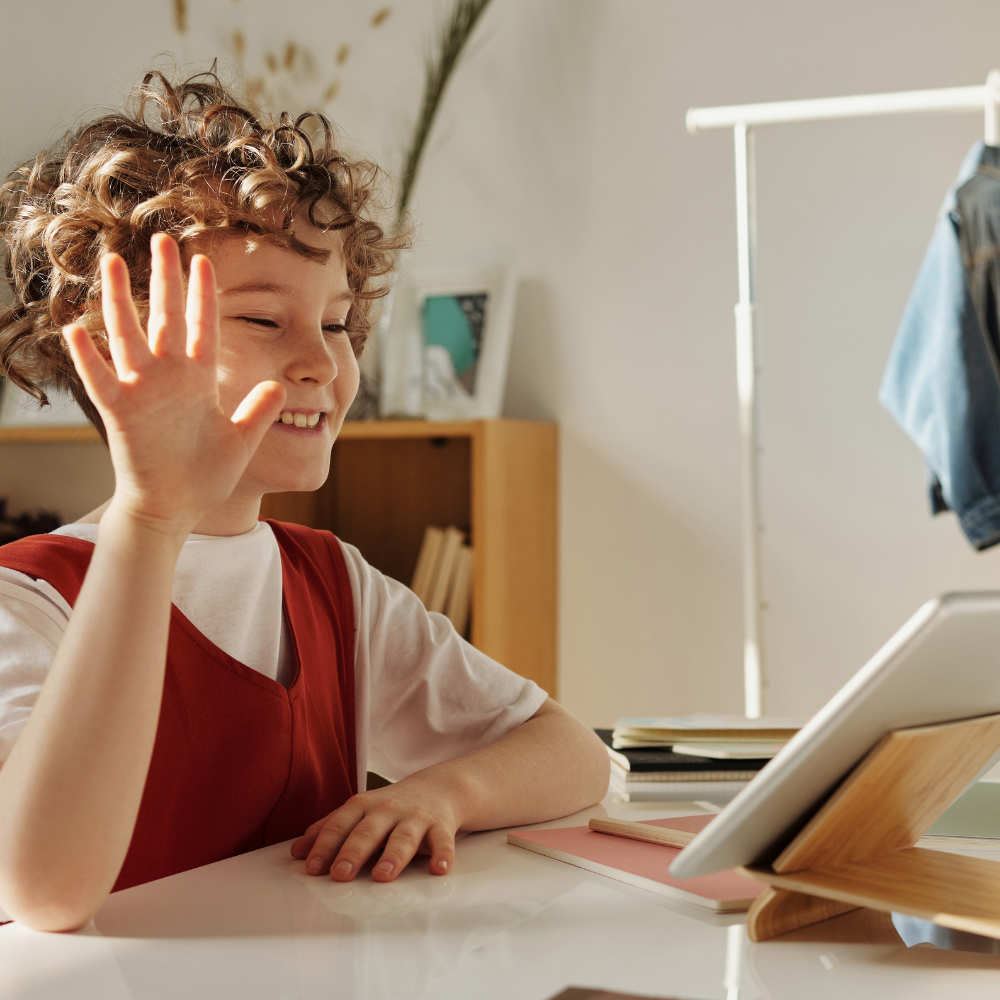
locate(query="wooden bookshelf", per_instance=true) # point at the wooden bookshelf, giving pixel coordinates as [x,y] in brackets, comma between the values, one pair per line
[494,479]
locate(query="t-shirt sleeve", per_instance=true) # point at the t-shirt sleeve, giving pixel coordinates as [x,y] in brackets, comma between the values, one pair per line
[430,695]
[33,618]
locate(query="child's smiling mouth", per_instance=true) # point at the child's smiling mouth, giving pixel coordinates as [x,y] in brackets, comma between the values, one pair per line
[300,420]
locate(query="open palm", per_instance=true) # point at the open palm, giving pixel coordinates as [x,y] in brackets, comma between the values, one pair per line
[174,450]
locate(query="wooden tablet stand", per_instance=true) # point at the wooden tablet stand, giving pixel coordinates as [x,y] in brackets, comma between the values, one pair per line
[858,850]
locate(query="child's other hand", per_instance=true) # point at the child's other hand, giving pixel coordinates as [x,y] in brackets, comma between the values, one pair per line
[415,815]
[550,765]
[175,452]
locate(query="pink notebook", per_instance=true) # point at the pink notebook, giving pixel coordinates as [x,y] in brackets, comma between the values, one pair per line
[643,865]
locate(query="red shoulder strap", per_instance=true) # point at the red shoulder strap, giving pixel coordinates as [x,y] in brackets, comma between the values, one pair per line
[320,610]
[59,560]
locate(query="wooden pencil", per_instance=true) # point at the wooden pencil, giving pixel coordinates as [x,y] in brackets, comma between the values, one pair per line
[642,831]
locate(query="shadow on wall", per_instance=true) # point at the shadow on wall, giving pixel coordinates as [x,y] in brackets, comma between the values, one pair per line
[636,576]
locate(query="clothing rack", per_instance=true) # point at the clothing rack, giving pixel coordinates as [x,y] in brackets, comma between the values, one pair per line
[741,119]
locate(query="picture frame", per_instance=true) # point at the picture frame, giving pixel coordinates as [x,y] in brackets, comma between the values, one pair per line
[445,343]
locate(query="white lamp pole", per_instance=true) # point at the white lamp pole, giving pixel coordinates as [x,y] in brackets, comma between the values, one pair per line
[754,676]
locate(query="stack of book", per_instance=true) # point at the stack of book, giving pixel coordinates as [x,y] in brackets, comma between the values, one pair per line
[443,576]
[650,755]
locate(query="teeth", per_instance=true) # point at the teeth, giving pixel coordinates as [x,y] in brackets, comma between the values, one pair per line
[299,419]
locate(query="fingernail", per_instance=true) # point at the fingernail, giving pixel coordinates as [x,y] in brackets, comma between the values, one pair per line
[383,868]
[343,867]
[315,865]
[442,866]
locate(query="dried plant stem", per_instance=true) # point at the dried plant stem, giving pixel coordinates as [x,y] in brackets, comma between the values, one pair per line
[438,70]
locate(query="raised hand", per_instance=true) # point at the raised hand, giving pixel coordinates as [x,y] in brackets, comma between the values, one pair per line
[174,450]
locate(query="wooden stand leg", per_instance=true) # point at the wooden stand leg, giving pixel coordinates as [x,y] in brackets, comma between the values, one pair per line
[778,911]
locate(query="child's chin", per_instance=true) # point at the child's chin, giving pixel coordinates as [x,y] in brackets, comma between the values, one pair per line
[299,479]
[290,469]
[291,484]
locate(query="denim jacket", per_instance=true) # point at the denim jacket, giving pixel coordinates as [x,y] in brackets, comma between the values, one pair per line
[942,381]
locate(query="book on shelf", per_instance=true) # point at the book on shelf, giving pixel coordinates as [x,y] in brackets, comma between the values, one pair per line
[442,578]
[460,590]
[427,562]
[658,764]
[437,596]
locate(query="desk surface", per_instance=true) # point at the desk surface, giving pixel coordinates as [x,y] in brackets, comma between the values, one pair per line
[504,924]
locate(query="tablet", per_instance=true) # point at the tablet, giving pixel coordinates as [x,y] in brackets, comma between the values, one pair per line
[942,665]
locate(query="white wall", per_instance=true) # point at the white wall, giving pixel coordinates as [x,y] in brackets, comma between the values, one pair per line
[562,145]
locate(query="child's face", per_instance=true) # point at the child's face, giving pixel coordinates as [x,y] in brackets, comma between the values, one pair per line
[282,318]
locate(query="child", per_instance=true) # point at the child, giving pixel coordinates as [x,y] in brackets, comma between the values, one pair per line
[224,683]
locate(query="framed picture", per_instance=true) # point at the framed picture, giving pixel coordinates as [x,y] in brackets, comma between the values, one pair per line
[445,343]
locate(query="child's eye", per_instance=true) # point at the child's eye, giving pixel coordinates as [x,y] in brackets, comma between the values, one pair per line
[270,324]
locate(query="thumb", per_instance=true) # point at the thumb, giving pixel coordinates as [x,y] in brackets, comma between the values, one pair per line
[258,411]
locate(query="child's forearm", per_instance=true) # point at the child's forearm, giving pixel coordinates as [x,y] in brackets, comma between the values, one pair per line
[71,788]
[550,766]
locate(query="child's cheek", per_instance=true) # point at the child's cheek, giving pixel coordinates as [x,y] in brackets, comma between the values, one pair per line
[348,379]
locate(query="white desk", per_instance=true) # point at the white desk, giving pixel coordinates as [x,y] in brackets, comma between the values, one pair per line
[504,924]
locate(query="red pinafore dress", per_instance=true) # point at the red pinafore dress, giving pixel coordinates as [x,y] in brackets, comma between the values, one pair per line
[239,762]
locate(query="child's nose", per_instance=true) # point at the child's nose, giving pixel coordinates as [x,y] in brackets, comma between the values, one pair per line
[312,360]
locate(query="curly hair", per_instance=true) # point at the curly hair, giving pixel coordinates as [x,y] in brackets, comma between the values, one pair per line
[185,159]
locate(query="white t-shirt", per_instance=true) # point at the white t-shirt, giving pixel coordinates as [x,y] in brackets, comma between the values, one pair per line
[422,693]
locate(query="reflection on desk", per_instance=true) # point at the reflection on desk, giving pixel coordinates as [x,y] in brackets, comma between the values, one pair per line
[504,924]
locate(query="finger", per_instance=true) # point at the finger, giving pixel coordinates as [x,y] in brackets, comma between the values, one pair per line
[98,379]
[258,411]
[302,846]
[202,311]
[399,850]
[361,844]
[441,842]
[332,833]
[126,340]
[167,332]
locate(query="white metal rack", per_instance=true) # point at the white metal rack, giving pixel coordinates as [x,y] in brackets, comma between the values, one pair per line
[741,119]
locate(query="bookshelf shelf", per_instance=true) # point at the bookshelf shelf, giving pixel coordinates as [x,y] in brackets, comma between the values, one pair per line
[494,479]
[41,435]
